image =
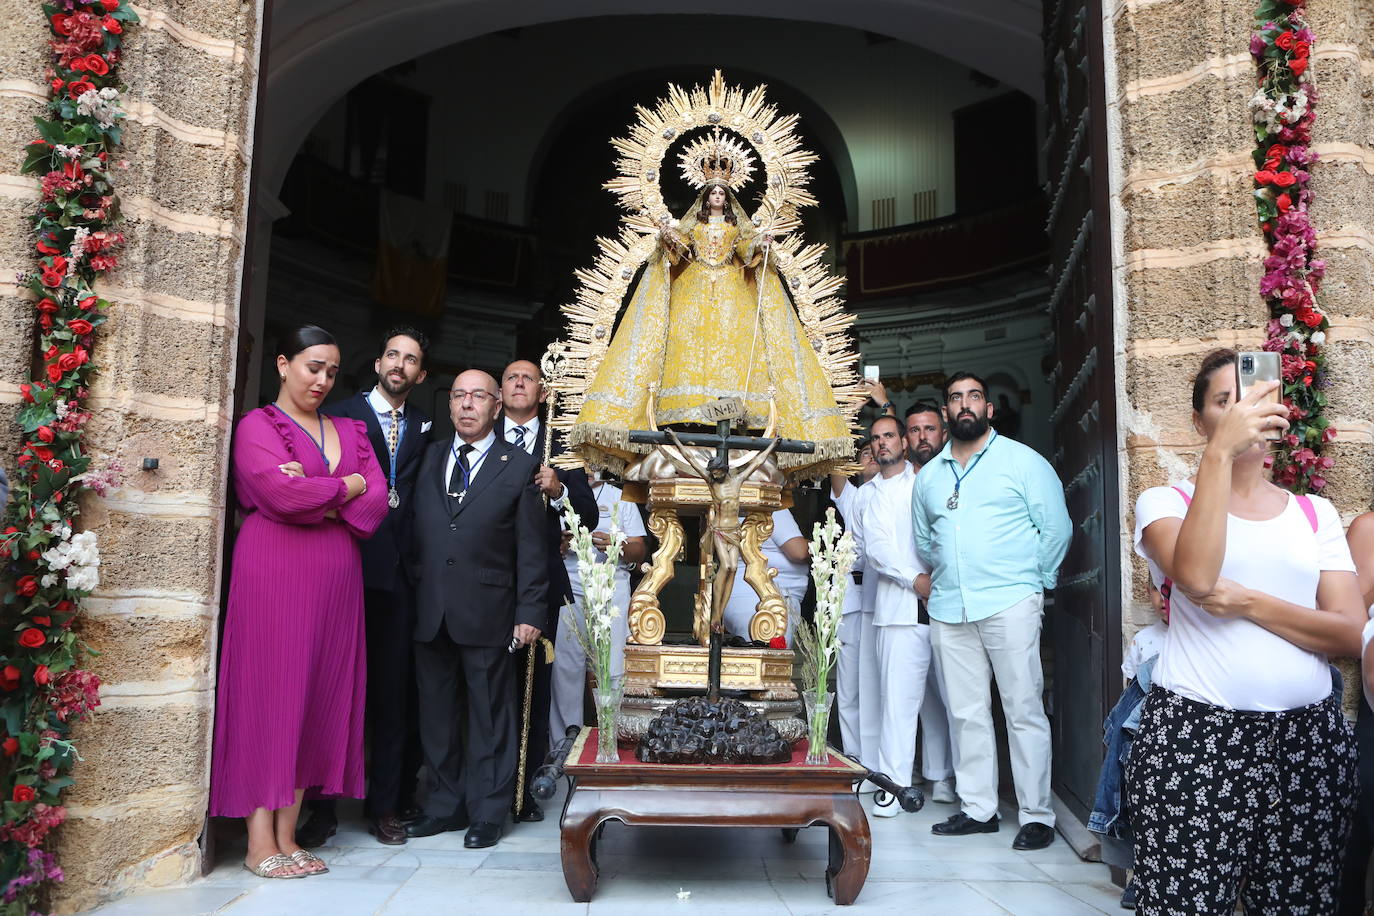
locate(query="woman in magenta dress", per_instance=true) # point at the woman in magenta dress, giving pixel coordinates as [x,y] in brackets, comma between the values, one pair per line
[289,711]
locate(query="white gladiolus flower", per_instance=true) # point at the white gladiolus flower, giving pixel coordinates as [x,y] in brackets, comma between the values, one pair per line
[597,572]
[1319,337]
[77,555]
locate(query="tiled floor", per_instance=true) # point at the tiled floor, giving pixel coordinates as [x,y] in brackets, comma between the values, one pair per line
[659,871]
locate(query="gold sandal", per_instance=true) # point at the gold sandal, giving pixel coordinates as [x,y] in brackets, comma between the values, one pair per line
[308,860]
[270,864]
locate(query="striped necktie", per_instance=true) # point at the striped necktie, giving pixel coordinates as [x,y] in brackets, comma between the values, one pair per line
[519,434]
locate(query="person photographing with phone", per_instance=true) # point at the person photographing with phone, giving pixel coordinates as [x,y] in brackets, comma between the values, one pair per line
[1242,774]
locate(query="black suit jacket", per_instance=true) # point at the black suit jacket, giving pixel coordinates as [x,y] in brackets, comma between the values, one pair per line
[480,566]
[382,559]
[583,501]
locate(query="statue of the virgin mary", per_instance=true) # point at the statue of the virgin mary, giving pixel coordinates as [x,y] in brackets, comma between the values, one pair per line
[711,318]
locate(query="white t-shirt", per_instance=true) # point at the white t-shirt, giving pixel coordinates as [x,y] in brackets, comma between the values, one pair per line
[1237,664]
[850,506]
[791,580]
[627,515]
[890,554]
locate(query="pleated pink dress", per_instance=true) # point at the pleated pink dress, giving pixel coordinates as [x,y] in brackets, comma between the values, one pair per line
[292,671]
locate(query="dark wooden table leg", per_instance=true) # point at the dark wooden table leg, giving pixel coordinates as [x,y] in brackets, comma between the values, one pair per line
[789,835]
[851,850]
[581,824]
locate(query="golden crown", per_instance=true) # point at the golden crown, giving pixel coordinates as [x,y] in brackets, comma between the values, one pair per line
[716,159]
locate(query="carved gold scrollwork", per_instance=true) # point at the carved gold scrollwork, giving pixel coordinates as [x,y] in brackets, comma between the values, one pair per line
[647,624]
[770,614]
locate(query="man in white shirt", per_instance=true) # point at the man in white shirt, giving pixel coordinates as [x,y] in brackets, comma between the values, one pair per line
[903,642]
[787,551]
[856,675]
[570,662]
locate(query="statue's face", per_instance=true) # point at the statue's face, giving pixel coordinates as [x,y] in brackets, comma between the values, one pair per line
[716,198]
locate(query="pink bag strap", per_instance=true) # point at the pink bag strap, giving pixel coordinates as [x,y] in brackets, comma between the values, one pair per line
[1309,510]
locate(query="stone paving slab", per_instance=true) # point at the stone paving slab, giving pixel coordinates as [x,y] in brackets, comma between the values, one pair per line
[741,871]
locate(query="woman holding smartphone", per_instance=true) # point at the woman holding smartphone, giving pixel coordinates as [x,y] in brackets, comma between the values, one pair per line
[1243,771]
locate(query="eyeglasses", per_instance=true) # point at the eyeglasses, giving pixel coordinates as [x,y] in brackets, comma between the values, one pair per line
[478,395]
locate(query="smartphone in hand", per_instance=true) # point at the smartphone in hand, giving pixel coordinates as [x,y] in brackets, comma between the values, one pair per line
[870,373]
[1255,368]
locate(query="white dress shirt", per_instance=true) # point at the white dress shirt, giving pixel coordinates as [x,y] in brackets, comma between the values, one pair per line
[531,437]
[481,449]
[890,549]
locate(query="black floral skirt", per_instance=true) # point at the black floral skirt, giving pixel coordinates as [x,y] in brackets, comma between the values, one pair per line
[1231,805]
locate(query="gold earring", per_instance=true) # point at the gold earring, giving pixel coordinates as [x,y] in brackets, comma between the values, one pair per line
[283,378]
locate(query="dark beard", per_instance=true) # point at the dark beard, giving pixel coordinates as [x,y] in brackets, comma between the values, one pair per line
[969,429]
[394,389]
[887,462]
[921,455]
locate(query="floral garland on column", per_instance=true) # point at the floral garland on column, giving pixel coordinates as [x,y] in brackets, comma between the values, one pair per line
[51,565]
[1284,109]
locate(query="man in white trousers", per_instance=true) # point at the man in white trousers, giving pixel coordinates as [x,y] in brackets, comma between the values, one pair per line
[569,661]
[989,515]
[903,642]
[856,675]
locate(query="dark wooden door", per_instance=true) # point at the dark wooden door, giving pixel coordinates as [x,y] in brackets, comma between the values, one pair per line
[1084,624]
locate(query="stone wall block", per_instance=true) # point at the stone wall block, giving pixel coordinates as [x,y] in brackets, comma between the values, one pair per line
[1191,211]
[1345,102]
[1351,482]
[1207,118]
[182,176]
[17,318]
[1195,301]
[1348,287]
[147,552]
[24,50]
[187,265]
[1350,368]
[16,123]
[1163,39]
[187,451]
[1344,23]
[1343,195]
[119,760]
[148,352]
[183,82]
[218,19]
[148,648]
[104,857]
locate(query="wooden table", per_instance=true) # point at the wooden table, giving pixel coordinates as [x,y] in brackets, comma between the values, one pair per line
[788,796]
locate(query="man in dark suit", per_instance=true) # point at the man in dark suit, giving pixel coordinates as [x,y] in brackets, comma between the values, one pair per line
[398,432]
[522,391]
[479,561]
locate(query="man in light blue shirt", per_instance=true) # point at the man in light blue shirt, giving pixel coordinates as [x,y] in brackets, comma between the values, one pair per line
[989,517]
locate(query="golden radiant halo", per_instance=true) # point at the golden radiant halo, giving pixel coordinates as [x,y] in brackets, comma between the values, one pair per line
[603,287]
[716,157]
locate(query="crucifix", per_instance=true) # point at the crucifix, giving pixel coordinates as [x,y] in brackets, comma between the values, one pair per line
[722,523]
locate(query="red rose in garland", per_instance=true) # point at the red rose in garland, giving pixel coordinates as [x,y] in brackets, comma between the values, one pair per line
[11,746]
[23,794]
[9,677]
[32,638]
[27,586]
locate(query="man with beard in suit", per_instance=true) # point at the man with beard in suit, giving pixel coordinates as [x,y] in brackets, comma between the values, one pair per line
[522,391]
[479,557]
[399,433]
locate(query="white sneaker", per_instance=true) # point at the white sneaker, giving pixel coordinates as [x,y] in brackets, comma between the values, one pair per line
[885,805]
[942,792]
[867,788]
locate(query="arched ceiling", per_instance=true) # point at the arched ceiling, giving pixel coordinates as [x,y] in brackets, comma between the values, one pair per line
[319,49]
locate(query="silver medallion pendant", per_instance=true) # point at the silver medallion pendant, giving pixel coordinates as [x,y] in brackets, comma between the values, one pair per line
[393,499]
[953,501]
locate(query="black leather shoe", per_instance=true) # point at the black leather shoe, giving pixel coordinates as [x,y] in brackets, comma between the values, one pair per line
[1033,836]
[428,825]
[388,830]
[317,831]
[962,825]
[482,834]
[409,811]
[529,814]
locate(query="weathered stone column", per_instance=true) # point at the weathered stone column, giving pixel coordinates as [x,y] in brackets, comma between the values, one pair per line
[166,392]
[1190,252]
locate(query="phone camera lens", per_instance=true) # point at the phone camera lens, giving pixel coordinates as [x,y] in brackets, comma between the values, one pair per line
[1247,364]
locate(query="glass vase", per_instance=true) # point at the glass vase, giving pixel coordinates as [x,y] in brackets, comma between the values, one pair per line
[606,697]
[817,726]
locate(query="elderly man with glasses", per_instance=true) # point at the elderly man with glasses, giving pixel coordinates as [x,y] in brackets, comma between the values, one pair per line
[479,561]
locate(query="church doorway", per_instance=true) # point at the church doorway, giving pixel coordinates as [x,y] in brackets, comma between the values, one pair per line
[942,166]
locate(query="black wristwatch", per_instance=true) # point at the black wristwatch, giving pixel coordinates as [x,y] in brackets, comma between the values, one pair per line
[886,405]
